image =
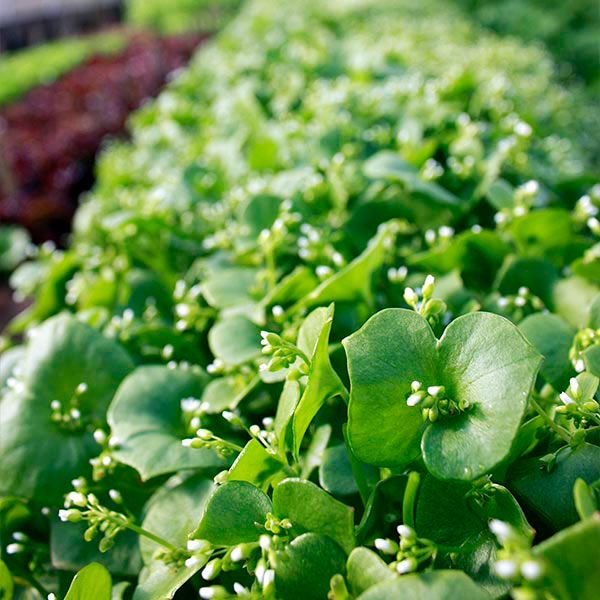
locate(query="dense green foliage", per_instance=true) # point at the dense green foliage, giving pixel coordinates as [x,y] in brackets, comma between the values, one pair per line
[329,326]
[24,69]
[570,30]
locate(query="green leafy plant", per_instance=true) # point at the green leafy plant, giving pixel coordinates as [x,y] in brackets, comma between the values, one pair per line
[328,328]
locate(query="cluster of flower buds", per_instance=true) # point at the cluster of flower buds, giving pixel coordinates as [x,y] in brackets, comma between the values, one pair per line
[515,561]
[584,339]
[578,400]
[522,303]
[283,354]
[190,313]
[314,247]
[105,463]
[443,234]
[81,506]
[587,210]
[205,438]
[434,402]
[410,552]
[524,198]
[427,306]
[68,414]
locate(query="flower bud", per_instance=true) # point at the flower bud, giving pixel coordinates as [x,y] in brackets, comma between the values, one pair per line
[428,287]
[408,565]
[212,569]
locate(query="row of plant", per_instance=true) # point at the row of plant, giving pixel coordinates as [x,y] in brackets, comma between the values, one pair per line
[50,137]
[23,70]
[328,327]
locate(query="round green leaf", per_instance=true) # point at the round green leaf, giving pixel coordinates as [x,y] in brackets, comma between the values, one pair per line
[235,340]
[482,359]
[39,456]
[304,569]
[234,514]
[146,418]
[366,569]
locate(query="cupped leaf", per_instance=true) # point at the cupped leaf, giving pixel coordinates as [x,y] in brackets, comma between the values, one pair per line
[365,569]
[437,585]
[481,360]
[305,567]
[91,583]
[41,456]
[309,508]
[234,514]
[174,511]
[552,338]
[146,417]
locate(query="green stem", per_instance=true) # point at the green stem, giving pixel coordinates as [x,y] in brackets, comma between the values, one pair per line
[410,499]
[561,431]
[151,536]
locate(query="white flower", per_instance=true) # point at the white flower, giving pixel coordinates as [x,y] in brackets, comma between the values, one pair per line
[531,570]
[574,385]
[190,404]
[76,498]
[405,531]
[566,399]
[500,529]
[192,561]
[197,545]
[386,546]
[14,548]
[506,569]
[406,566]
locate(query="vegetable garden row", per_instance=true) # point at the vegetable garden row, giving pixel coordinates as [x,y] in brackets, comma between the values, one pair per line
[328,327]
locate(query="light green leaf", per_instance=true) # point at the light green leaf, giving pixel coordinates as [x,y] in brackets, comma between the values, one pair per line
[234,514]
[365,569]
[146,417]
[309,508]
[256,466]
[91,583]
[323,382]
[482,359]
[573,299]
[39,456]
[159,581]
[6,582]
[229,287]
[437,585]
[235,340]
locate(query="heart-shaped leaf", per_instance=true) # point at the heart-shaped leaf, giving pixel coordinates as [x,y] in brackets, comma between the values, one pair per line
[146,417]
[72,367]
[309,508]
[234,514]
[482,360]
